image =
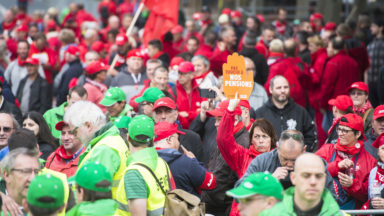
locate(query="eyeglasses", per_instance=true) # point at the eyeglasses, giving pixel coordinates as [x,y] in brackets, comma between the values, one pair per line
[358,93]
[342,131]
[297,137]
[27,171]
[6,129]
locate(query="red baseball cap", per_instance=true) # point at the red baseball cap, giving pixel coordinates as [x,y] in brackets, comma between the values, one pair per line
[165,129]
[235,13]
[51,24]
[32,61]
[59,125]
[186,67]
[175,62]
[220,109]
[121,39]
[177,29]
[378,112]
[354,121]
[330,26]
[379,141]
[95,67]
[73,50]
[359,85]
[135,53]
[342,102]
[316,16]
[98,46]
[245,103]
[261,18]
[164,102]
[226,11]
[196,16]
[23,28]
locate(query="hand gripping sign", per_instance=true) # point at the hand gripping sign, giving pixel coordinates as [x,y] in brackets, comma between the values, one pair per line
[236,78]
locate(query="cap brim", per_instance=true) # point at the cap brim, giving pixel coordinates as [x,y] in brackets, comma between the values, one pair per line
[59,125]
[240,192]
[180,132]
[378,116]
[332,102]
[139,99]
[107,102]
[164,105]
[215,112]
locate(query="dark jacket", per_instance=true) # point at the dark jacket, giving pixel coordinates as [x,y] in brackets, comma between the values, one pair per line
[207,131]
[187,172]
[292,116]
[305,56]
[11,108]
[368,144]
[45,149]
[216,200]
[270,161]
[75,69]
[40,97]
[262,68]
[191,141]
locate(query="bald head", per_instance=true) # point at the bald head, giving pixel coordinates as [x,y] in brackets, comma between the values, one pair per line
[309,160]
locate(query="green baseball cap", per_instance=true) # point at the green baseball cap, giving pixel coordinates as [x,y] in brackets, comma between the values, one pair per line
[141,125]
[122,122]
[262,183]
[151,94]
[46,191]
[89,175]
[112,96]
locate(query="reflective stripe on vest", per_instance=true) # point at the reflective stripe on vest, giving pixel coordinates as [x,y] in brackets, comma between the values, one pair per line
[118,144]
[156,198]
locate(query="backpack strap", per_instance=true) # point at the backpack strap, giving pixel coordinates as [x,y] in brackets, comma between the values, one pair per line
[154,176]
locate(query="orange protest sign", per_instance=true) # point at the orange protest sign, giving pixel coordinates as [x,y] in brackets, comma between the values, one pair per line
[236,78]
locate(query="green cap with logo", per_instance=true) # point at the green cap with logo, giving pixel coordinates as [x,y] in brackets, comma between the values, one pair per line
[46,191]
[141,125]
[151,94]
[92,173]
[262,183]
[112,96]
[122,121]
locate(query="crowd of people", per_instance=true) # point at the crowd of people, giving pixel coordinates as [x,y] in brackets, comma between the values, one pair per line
[94,121]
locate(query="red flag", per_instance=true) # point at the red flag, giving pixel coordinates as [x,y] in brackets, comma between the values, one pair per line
[163,16]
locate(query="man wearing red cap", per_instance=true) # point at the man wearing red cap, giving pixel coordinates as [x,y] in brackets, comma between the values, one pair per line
[74,70]
[122,49]
[131,77]
[165,109]
[178,41]
[348,162]
[17,70]
[65,159]
[188,173]
[316,22]
[33,92]
[187,95]
[94,82]
[358,92]
[341,105]
[375,131]
[225,177]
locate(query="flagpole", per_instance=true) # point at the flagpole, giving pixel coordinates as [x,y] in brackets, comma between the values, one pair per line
[129,30]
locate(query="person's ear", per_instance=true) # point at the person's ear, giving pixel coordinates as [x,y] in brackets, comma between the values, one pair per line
[292,176]
[270,89]
[358,134]
[305,148]
[6,175]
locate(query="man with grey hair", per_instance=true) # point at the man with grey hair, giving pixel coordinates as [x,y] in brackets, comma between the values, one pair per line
[8,125]
[224,47]
[102,140]
[18,169]
[203,76]
[281,161]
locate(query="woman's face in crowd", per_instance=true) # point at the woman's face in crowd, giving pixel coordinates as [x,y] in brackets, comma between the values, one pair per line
[358,97]
[31,125]
[261,140]
[380,153]
[346,135]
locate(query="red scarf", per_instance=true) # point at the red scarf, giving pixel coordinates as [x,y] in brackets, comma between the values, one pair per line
[61,153]
[361,111]
[157,55]
[280,27]
[253,152]
[20,62]
[349,150]
[380,174]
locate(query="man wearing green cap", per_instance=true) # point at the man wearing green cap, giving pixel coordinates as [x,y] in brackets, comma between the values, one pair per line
[147,100]
[45,195]
[259,191]
[309,195]
[138,192]
[101,140]
[114,100]
[93,187]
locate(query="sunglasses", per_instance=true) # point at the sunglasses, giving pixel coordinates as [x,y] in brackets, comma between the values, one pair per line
[6,129]
[297,137]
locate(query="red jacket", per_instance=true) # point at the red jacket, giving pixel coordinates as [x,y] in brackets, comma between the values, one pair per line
[52,60]
[189,103]
[204,50]
[237,157]
[217,60]
[57,163]
[364,164]
[339,73]
[359,54]
[296,77]
[316,72]
[262,48]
